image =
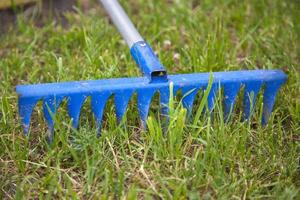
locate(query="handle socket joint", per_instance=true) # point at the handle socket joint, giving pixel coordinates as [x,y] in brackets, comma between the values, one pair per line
[148,62]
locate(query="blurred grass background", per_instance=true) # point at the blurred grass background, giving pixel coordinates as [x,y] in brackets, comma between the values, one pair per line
[6,4]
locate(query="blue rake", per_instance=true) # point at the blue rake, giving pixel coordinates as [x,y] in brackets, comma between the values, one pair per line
[155,80]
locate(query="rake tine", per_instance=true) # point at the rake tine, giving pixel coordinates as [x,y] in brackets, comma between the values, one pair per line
[121,101]
[230,94]
[164,107]
[98,103]
[189,95]
[269,96]
[251,91]
[50,106]
[26,106]
[212,96]
[144,99]
[164,100]
[75,103]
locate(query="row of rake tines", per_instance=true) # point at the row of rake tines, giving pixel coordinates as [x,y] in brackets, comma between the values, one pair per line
[210,92]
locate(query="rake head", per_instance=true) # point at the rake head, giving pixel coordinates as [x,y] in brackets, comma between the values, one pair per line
[75,93]
[155,80]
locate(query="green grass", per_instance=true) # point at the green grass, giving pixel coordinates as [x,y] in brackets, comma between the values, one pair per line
[202,159]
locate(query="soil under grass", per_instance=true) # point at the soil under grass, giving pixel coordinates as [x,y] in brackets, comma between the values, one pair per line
[202,159]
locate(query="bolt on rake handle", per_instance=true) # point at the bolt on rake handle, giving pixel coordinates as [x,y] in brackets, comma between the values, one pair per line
[139,49]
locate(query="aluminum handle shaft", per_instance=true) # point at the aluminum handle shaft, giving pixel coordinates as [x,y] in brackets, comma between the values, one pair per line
[140,50]
[122,22]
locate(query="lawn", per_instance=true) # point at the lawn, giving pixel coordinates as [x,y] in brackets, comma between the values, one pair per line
[204,158]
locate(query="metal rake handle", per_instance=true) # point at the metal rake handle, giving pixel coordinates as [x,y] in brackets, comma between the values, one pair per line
[139,49]
[122,22]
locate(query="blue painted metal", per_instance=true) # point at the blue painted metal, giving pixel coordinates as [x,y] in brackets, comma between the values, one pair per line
[188,99]
[148,62]
[75,103]
[52,94]
[270,92]
[144,101]
[99,99]
[50,106]
[230,93]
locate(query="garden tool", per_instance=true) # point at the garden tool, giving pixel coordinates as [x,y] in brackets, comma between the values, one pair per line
[155,79]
